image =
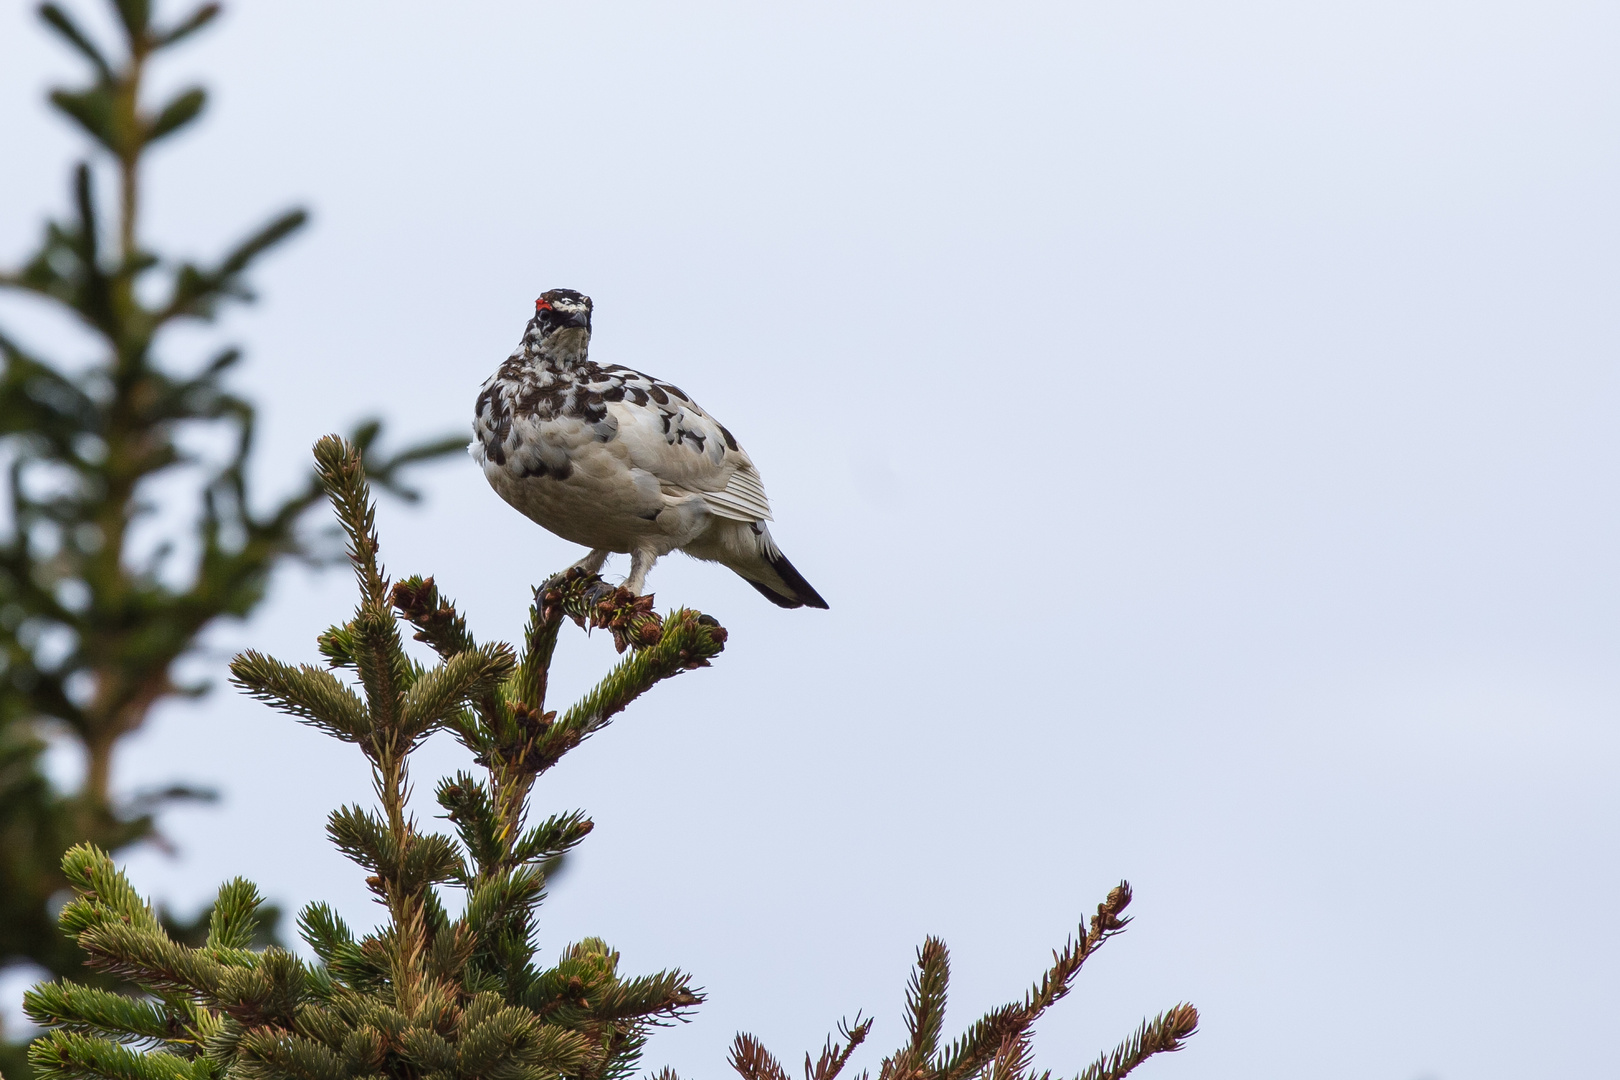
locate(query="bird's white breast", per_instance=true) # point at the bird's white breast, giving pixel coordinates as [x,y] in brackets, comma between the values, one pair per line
[608,456]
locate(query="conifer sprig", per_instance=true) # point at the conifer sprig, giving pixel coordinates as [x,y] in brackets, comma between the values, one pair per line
[1163,1034]
[424,995]
[997,1045]
[836,1053]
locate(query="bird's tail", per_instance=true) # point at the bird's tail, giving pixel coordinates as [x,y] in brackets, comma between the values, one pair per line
[793,591]
[747,548]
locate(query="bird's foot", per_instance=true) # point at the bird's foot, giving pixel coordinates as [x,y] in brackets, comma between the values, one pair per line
[591,602]
[568,593]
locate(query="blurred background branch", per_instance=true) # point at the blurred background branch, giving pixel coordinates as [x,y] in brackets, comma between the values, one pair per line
[93,623]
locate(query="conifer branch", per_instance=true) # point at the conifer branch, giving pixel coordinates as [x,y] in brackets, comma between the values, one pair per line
[498,899]
[1012,1060]
[70,1056]
[835,1054]
[273,1055]
[436,620]
[444,690]
[689,640]
[102,435]
[665,996]
[753,1062]
[104,894]
[187,26]
[366,839]
[324,931]
[313,696]
[997,1045]
[150,958]
[986,1038]
[429,860]
[234,920]
[1164,1034]
[508,1043]
[468,806]
[539,644]
[342,473]
[591,602]
[86,1010]
[384,672]
[62,24]
[196,292]
[925,999]
[555,836]
[337,645]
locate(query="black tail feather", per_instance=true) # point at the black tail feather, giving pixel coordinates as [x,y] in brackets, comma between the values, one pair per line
[773,596]
[804,595]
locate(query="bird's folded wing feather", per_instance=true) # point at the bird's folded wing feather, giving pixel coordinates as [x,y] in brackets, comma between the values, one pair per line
[743,498]
[689,452]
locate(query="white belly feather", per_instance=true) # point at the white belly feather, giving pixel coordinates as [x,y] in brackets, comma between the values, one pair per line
[648,470]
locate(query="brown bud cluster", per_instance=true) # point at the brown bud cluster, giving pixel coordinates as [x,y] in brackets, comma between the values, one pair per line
[630,618]
[530,720]
[1108,918]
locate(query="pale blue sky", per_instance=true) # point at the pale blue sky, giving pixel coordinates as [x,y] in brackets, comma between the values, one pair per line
[1200,417]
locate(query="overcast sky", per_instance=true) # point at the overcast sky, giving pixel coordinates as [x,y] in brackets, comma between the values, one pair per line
[1200,417]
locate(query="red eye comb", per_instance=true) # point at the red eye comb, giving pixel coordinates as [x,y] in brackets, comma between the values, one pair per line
[542,304]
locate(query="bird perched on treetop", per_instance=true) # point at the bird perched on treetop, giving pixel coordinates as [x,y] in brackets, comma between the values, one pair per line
[616,460]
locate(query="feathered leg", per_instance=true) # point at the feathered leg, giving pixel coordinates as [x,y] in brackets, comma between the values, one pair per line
[592,563]
[641,561]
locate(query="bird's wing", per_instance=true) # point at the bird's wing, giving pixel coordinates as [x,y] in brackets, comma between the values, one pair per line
[742,499]
[667,434]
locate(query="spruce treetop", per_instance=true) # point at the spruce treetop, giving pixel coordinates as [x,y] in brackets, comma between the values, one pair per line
[425,995]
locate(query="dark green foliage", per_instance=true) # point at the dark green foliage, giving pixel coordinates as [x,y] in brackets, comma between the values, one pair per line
[426,995]
[91,628]
[997,1045]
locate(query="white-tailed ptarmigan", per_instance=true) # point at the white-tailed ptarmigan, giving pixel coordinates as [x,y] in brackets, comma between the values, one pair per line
[616,460]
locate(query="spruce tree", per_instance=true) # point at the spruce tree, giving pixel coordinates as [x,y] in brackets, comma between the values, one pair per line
[424,995]
[92,627]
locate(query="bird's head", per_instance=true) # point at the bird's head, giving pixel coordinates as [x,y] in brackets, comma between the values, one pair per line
[561,327]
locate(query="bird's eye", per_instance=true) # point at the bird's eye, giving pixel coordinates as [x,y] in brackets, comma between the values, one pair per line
[542,304]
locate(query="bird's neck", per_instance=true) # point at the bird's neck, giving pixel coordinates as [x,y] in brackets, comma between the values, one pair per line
[563,349]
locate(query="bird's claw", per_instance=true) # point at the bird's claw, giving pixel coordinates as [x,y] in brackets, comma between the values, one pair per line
[592,602]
